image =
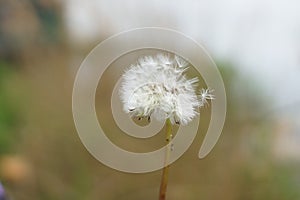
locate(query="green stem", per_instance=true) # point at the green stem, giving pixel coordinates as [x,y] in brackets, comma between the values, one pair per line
[164,179]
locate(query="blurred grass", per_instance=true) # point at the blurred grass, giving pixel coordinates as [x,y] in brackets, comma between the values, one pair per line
[9,115]
[240,167]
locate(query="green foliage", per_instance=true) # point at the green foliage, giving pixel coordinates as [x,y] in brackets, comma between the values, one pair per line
[8,112]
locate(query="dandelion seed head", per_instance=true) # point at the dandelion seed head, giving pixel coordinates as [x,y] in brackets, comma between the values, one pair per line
[156,86]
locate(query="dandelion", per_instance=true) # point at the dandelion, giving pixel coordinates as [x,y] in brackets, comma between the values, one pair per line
[156,86]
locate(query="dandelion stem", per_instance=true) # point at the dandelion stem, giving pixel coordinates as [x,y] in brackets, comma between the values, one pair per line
[164,178]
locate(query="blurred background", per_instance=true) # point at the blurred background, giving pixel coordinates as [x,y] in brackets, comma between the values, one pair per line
[256,45]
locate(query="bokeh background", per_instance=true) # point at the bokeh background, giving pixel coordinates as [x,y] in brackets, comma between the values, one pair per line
[256,45]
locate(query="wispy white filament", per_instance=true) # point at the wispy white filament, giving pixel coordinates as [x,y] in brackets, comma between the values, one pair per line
[157,86]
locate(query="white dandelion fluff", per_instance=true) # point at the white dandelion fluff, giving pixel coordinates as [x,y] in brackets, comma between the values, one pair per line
[157,86]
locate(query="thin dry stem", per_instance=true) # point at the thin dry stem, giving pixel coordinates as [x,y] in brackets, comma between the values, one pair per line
[164,179]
